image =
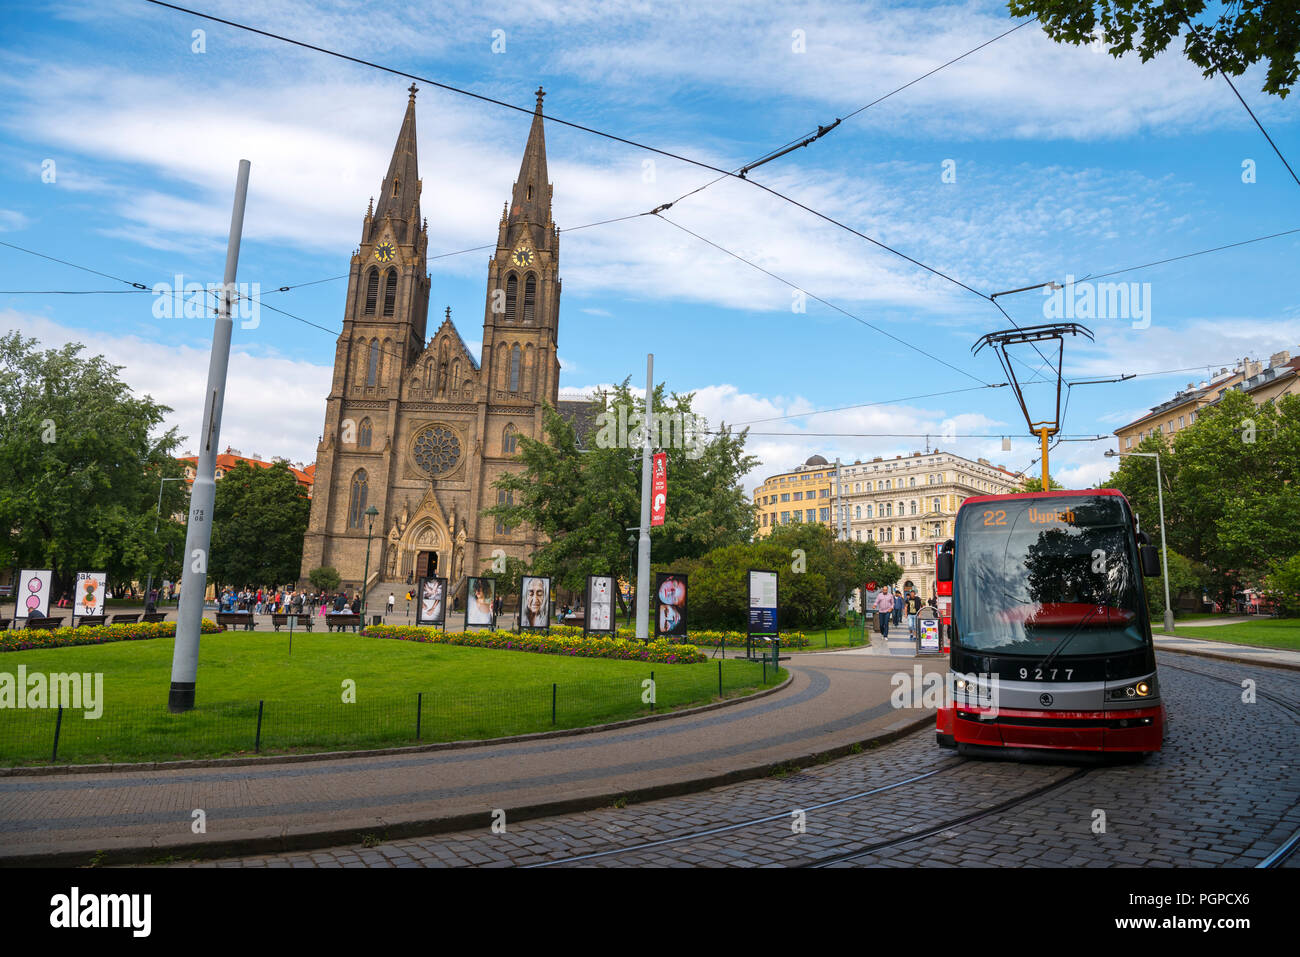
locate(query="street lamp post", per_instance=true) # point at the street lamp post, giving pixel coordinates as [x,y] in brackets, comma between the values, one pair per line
[370,513]
[631,574]
[148,589]
[1164,550]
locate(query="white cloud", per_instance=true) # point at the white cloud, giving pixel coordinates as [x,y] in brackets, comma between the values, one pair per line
[11,220]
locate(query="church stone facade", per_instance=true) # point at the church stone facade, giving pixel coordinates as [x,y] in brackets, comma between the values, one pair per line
[414,424]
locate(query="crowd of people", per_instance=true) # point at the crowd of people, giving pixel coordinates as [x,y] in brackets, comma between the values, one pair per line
[275,601]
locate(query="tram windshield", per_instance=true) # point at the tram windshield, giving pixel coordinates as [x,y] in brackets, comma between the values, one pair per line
[1043,575]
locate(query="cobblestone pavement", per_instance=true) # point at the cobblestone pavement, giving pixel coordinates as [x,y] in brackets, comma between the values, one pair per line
[1224,791]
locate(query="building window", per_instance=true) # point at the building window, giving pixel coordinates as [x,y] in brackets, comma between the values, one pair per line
[512,295]
[812,514]
[798,496]
[868,510]
[886,483]
[372,365]
[888,510]
[504,498]
[514,368]
[859,534]
[509,441]
[936,505]
[869,535]
[825,493]
[363,434]
[857,512]
[357,500]
[914,561]
[530,298]
[1128,441]
[390,292]
[938,529]
[1180,421]
[785,518]
[913,506]
[825,514]
[785,496]
[372,291]
[912,481]
[913,534]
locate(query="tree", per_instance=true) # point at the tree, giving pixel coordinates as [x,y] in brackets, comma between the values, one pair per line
[325,579]
[81,467]
[1036,484]
[584,500]
[1282,586]
[259,518]
[1186,577]
[1246,32]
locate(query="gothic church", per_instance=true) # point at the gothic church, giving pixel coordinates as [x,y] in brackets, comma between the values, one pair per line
[415,425]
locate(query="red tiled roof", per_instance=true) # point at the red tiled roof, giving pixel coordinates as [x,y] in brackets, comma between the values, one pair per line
[227,461]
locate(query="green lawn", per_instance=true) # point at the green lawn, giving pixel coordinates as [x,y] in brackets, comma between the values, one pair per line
[1264,632]
[821,639]
[468,693]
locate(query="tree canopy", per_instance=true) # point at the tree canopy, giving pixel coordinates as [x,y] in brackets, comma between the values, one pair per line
[584,500]
[82,458]
[259,518]
[1246,32]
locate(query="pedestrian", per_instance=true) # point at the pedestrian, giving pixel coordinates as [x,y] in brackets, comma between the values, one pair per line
[898,606]
[884,608]
[913,609]
[392,602]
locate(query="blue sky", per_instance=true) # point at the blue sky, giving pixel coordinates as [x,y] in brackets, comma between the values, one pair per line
[1066,161]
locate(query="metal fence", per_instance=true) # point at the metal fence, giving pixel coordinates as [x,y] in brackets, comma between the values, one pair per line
[138,732]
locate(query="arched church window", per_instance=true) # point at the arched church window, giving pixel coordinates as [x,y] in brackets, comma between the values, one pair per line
[509,441]
[530,190]
[530,298]
[372,365]
[357,500]
[364,431]
[372,291]
[390,292]
[512,296]
[514,368]
[397,182]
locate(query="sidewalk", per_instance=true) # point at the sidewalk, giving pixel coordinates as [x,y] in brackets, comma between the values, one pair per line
[832,704]
[1228,651]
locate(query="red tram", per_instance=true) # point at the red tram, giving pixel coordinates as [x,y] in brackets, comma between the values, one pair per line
[1050,639]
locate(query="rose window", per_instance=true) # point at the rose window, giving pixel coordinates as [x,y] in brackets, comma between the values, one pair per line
[437,450]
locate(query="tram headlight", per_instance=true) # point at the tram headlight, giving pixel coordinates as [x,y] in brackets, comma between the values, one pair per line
[1134,691]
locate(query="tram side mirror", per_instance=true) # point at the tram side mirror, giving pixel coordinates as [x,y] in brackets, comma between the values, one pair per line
[1150,561]
[943,566]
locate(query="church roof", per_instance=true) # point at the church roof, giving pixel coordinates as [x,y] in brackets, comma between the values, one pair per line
[531,200]
[404,171]
[459,338]
[581,415]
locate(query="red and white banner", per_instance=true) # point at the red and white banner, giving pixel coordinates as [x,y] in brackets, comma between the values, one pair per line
[659,489]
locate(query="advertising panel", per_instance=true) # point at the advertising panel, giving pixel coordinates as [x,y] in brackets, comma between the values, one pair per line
[431,609]
[670,622]
[535,602]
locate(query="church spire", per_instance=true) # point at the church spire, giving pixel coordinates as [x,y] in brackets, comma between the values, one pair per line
[400,195]
[531,201]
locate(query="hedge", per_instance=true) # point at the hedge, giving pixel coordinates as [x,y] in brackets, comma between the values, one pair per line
[27,639]
[561,641]
[710,637]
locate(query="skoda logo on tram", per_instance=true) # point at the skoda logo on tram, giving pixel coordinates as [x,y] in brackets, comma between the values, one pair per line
[1045,699]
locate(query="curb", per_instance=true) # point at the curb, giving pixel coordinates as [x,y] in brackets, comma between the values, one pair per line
[288,840]
[42,770]
[1283,665]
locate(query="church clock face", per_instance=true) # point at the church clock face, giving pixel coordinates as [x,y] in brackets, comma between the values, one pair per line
[522,257]
[384,252]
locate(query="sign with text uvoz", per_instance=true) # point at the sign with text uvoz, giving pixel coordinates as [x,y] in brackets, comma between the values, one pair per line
[762,602]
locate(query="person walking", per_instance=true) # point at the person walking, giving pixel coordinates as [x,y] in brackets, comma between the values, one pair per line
[898,606]
[913,609]
[392,602]
[884,608]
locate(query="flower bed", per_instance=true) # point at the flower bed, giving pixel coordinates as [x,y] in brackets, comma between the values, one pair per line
[25,639]
[562,641]
[789,639]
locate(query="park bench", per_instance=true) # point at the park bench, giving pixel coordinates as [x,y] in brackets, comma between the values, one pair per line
[282,618]
[124,620]
[337,621]
[4,624]
[48,624]
[236,619]
[154,616]
[89,620]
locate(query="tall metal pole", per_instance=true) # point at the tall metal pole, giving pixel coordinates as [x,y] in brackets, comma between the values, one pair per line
[1046,478]
[198,533]
[643,543]
[1160,497]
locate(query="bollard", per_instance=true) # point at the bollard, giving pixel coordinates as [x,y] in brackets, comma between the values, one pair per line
[826,641]
[419,707]
[257,745]
[553,696]
[652,691]
[765,669]
[719,679]
[58,723]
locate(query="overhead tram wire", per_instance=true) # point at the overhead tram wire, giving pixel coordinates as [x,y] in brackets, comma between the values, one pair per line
[864,405]
[824,302]
[64,262]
